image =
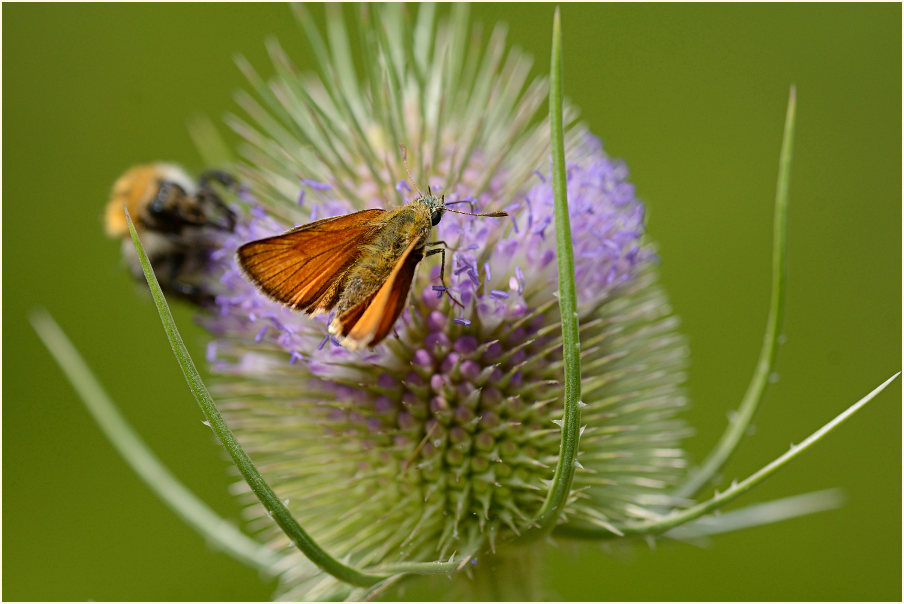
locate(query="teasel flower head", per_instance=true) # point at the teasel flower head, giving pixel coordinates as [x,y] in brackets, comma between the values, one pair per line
[442,440]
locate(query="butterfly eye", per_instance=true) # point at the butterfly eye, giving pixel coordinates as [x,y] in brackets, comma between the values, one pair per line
[436,216]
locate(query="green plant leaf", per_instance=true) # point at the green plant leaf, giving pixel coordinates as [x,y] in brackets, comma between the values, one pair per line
[560,487]
[740,420]
[680,517]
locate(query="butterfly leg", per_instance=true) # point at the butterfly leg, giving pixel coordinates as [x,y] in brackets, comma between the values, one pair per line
[442,266]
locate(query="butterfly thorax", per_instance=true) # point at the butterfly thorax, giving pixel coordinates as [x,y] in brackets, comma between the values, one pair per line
[379,256]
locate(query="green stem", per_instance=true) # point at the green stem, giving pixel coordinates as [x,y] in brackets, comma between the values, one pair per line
[560,488]
[677,518]
[137,454]
[737,426]
[261,489]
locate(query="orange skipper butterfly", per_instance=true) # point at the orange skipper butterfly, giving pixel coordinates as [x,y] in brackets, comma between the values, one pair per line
[360,264]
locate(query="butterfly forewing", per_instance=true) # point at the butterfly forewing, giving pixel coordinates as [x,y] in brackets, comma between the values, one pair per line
[300,267]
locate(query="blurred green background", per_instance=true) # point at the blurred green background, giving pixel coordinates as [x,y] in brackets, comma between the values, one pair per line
[692,96]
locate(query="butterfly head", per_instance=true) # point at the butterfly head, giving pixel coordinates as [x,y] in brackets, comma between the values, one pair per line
[436,206]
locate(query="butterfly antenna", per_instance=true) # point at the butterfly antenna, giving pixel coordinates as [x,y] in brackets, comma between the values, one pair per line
[470,203]
[405,163]
[488,214]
